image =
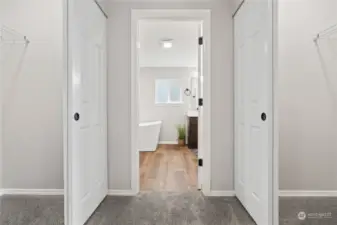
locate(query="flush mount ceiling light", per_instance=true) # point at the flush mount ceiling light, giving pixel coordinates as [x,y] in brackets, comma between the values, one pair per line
[166,43]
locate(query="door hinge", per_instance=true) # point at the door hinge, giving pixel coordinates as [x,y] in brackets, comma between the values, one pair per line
[200,162]
[201,40]
[201,102]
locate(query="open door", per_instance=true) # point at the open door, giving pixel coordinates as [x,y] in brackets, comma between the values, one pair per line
[87,180]
[254,109]
[200,96]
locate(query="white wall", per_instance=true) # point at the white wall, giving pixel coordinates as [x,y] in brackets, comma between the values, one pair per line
[235,5]
[103,4]
[170,114]
[119,91]
[33,152]
[308,101]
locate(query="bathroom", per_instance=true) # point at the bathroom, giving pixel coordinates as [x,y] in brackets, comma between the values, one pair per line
[169,95]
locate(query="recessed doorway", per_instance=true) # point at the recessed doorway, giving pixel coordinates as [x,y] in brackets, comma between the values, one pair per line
[170,121]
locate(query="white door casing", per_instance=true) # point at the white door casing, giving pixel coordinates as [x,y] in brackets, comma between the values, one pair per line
[200,95]
[87,179]
[1,113]
[254,101]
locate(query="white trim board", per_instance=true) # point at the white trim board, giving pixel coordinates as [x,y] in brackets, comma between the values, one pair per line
[147,150]
[129,192]
[199,15]
[276,133]
[221,193]
[32,192]
[307,193]
[168,142]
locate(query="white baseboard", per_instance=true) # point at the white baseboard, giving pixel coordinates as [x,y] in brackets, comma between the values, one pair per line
[122,193]
[32,192]
[168,142]
[307,193]
[147,150]
[221,193]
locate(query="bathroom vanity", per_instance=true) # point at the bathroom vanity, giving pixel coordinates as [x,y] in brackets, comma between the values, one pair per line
[192,129]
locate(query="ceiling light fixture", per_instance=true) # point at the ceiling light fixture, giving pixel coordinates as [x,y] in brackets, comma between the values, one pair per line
[167,43]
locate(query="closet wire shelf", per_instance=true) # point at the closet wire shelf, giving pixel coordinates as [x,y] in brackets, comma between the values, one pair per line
[11,36]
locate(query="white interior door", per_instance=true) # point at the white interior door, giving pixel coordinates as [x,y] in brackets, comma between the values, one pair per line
[200,95]
[253,109]
[1,109]
[87,111]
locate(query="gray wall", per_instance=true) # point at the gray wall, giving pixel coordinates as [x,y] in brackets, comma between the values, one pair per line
[32,155]
[171,115]
[308,100]
[119,92]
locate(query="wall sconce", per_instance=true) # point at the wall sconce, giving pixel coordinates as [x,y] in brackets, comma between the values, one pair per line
[187,92]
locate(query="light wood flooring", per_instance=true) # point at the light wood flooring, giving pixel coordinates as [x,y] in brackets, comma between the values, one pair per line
[169,169]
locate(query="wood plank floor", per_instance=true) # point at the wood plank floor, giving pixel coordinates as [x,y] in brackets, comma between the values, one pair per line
[169,169]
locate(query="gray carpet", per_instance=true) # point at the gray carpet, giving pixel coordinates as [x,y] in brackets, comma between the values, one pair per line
[165,208]
[145,209]
[308,211]
[39,210]
[170,209]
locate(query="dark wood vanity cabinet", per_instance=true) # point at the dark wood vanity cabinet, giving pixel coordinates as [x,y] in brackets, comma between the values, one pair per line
[192,132]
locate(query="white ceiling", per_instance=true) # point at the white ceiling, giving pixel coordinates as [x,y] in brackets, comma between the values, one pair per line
[184,52]
[105,3]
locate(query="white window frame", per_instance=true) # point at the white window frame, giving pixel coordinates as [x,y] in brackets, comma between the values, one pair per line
[169,101]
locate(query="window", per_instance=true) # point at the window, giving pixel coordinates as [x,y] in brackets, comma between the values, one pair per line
[168,91]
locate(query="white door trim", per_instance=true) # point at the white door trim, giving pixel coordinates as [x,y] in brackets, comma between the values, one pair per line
[180,15]
[275,150]
[1,113]
[66,155]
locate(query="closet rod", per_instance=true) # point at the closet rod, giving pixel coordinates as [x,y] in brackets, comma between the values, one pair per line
[23,38]
[326,32]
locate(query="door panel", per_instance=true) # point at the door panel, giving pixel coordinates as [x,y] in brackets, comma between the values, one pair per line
[253,97]
[87,134]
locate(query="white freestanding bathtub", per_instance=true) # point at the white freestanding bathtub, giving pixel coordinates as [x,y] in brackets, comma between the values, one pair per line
[148,135]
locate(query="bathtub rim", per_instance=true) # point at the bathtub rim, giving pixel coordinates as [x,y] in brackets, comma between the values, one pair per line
[150,123]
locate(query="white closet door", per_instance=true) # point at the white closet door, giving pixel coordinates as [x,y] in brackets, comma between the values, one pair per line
[253,109]
[87,110]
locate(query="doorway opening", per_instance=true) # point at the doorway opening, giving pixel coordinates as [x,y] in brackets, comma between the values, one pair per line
[169,120]
[169,86]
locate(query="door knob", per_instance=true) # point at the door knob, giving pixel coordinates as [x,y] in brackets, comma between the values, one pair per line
[263,116]
[76,116]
